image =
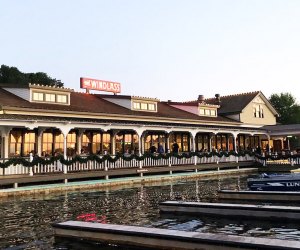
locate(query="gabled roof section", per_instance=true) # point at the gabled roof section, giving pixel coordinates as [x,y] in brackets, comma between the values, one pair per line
[232,104]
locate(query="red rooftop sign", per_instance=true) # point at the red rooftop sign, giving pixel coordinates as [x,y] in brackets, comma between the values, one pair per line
[93,84]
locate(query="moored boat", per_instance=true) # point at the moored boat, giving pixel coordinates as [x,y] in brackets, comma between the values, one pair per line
[282,182]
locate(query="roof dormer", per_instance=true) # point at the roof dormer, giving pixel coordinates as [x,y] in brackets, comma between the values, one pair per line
[208,110]
[135,103]
[50,95]
[40,93]
[144,104]
[197,107]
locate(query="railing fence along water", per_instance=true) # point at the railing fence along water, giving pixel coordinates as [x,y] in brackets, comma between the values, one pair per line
[275,159]
[102,163]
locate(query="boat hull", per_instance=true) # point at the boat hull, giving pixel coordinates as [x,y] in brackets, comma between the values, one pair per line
[276,183]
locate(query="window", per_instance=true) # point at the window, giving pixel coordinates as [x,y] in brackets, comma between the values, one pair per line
[29,143]
[96,144]
[37,96]
[106,142]
[86,142]
[207,112]
[59,143]
[50,97]
[16,139]
[144,106]
[47,144]
[137,105]
[151,106]
[71,143]
[61,98]
[258,111]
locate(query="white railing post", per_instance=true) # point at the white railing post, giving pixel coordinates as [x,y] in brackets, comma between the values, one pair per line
[106,169]
[30,168]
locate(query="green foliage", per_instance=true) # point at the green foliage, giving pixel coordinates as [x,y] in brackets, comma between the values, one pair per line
[14,76]
[111,159]
[286,106]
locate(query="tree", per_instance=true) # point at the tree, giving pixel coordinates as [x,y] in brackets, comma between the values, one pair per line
[14,76]
[286,106]
[289,112]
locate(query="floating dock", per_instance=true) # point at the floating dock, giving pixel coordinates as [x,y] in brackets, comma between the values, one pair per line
[260,195]
[224,209]
[157,238]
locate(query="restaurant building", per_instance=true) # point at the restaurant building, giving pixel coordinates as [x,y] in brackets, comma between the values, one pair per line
[51,120]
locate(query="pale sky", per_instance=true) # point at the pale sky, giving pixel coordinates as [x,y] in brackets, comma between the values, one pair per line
[168,49]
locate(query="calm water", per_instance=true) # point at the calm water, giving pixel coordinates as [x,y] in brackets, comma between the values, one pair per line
[26,222]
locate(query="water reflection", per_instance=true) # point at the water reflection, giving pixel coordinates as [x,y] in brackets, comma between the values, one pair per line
[26,221]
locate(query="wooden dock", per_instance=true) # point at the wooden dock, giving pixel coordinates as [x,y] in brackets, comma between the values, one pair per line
[155,238]
[259,195]
[223,209]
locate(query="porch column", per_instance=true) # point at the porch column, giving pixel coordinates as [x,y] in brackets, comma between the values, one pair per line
[142,144]
[193,140]
[234,135]
[227,142]
[40,141]
[78,140]
[65,131]
[168,142]
[140,133]
[5,145]
[5,141]
[209,142]
[269,149]
[113,142]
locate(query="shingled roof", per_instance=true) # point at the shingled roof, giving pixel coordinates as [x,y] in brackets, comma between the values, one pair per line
[82,102]
[233,103]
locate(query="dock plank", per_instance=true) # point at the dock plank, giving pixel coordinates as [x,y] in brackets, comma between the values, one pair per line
[224,209]
[157,238]
[259,195]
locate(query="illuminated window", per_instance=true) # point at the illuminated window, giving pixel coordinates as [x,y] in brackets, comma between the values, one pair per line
[16,139]
[96,144]
[151,106]
[86,142]
[106,142]
[61,98]
[59,143]
[207,112]
[50,97]
[144,106]
[29,143]
[47,144]
[201,112]
[213,112]
[137,105]
[71,143]
[37,96]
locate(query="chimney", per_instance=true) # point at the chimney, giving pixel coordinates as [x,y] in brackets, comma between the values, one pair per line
[169,101]
[218,98]
[200,98]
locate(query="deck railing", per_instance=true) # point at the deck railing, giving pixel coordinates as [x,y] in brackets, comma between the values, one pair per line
[289,159]
[102,163]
